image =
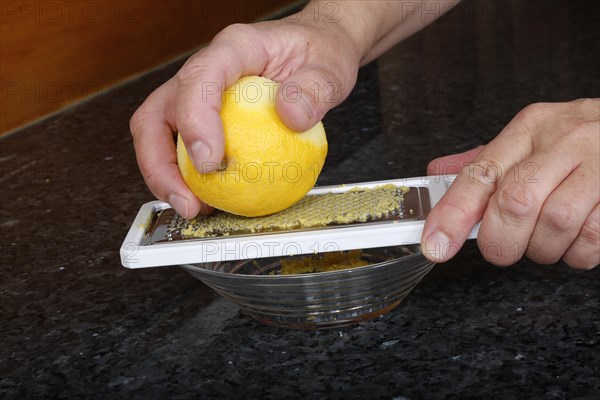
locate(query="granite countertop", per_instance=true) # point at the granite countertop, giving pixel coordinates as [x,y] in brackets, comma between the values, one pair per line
[75,324]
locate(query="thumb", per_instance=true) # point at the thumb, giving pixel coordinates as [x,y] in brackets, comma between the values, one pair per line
[453,163]
[304,97]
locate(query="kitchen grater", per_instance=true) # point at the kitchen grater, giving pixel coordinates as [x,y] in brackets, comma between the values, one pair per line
[159,237]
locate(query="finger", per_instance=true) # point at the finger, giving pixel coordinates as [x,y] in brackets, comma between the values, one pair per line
[584,253]
[305,96]
[454,216]
[562,217]
[513,210]
[201,81]
[156,155]
[452,164]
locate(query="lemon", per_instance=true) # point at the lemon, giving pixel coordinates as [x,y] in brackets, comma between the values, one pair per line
[269,167]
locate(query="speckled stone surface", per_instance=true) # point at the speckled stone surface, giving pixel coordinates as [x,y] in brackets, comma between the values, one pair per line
[75,324]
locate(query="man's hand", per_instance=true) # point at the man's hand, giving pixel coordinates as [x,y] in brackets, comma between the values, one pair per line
[314,54]
[316,65]
[535,188]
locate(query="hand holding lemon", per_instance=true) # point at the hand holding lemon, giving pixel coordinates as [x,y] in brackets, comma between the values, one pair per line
[316,66]
[267,167]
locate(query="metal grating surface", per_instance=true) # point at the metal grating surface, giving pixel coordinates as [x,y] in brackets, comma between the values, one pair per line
[165,225]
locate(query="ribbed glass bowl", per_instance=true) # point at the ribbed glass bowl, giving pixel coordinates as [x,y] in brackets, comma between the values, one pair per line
[317,300]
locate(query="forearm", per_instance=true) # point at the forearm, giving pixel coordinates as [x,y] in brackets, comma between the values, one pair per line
[377,25]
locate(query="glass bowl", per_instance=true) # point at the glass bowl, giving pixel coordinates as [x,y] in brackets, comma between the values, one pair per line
[321,299]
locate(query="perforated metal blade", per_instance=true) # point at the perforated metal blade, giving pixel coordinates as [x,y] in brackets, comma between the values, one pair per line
[160,237]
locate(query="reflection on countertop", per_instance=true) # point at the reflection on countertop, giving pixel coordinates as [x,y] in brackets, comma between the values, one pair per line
[75,324]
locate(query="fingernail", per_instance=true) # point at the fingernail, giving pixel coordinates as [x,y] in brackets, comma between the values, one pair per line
[180,204]
[200,155]
[439,247]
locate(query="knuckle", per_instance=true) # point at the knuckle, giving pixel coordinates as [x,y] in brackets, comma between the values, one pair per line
[588,104]
[187,123]
[484,172]
[160,179]
[516,201]
[460,210]
[561,217]
[533,112]
[151,177]
[234,31]
[137,120]
[530,117]
[585,254]
[228,48]
[208,61]
[191,70]
[590,231]
[239,38]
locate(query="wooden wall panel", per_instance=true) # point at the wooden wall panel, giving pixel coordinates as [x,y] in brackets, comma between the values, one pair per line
[53,53]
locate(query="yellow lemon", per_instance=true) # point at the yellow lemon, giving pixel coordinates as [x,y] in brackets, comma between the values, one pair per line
[269,167]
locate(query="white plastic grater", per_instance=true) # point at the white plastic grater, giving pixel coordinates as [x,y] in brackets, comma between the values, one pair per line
[152,242]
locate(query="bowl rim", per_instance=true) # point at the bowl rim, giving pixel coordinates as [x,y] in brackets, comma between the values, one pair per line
[304,276]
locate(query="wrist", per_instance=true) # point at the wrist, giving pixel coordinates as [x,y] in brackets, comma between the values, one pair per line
[351,22]
[373,27]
